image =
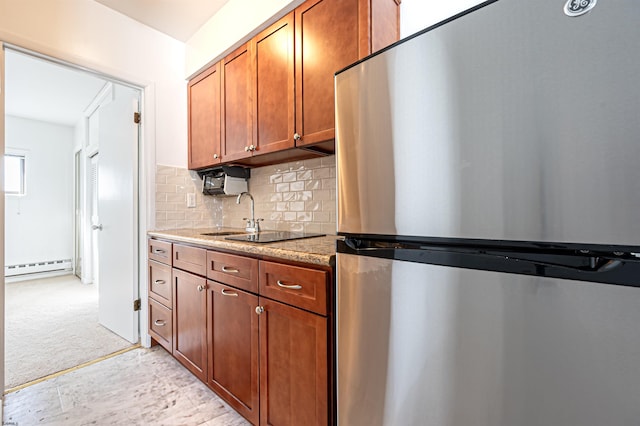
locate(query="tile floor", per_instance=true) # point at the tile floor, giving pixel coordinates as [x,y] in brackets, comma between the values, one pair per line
[139,387]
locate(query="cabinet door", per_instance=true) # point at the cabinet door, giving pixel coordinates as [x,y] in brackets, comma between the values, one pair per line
[237,125]
[327,40]
[293,366]
[273,85]
[190,322]
[232,332]
[385,24]
[204,119]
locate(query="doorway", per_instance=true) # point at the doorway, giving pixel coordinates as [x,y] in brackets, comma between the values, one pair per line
[56,232]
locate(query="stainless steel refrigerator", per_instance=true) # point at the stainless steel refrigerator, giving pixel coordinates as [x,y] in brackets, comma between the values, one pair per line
[489,195]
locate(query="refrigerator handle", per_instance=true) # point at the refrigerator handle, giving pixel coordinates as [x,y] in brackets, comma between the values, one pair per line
[586,263]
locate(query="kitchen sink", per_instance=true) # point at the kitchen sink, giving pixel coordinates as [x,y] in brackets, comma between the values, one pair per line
[272,236]
[223,233]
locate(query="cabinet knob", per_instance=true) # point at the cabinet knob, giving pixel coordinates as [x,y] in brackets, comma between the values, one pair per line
[159,282]
[252,147]
[216,156]
[200,287]
[246,149]
[259,310]
[160,323]
[296,137]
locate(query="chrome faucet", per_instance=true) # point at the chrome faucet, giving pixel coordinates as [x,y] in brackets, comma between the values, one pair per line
[253,224]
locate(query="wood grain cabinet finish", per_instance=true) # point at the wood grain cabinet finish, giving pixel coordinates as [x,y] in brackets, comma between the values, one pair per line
[277,91]
[273,87]
[190,322]
[160,251]
[232,332]
[203,94]
[330,35]
[301,287]
[238,271]
[237,121]
[257,332]
[161,323]
[293,366]
[160,283]
[192,259]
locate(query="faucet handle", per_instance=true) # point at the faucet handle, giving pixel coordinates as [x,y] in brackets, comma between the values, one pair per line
[257,224]
[251,225]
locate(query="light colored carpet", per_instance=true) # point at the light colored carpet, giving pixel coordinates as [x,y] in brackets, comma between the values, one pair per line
[51,325]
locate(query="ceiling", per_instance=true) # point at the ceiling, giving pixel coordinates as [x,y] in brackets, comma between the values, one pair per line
[179,19]
[41,90]
[45,91]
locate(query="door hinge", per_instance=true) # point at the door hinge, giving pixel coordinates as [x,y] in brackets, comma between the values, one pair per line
[137,304]
[137,118]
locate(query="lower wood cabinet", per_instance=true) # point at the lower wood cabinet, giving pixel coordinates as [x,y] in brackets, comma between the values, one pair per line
[256,332]
[293,366]
[190,322]
[232,325]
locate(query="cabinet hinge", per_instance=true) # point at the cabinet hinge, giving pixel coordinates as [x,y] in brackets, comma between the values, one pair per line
[137,304]
[137,118]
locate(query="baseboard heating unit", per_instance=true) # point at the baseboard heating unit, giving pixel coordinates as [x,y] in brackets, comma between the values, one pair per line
[37,267]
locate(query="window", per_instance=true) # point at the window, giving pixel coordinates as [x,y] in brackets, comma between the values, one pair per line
[14,174]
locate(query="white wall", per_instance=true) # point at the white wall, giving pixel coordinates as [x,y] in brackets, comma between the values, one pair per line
[235,22]
[416,15]
[87,33]
[39,225]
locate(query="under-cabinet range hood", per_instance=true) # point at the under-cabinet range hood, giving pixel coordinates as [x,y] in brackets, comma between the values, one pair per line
[225,180]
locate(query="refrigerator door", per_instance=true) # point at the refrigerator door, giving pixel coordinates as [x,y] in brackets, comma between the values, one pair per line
[512,122]
[422,344]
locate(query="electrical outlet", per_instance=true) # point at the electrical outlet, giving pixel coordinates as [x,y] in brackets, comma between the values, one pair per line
[191,200]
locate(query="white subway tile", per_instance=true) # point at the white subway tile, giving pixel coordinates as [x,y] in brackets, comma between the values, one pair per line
[296,206]
[282,187]
[297,186]
[289,177]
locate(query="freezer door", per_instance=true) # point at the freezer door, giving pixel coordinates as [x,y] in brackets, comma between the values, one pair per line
[513,122]
[433,345]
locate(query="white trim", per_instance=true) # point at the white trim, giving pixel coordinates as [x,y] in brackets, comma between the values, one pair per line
[146,161]
[2,131]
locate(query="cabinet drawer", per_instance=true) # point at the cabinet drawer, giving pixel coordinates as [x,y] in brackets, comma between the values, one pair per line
[161,324]
[236,271]
[302,287]
[160,282]
[159,251]
[190,259]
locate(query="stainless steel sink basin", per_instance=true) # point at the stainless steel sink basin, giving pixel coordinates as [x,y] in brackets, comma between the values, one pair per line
[223,233]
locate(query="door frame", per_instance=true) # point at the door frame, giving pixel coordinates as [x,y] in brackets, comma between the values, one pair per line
[146,176]
[2,228]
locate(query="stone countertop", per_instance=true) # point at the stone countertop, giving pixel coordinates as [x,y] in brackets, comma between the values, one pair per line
[314,250]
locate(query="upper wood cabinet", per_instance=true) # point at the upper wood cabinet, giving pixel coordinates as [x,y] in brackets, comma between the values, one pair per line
[330,35]
[273,86]
[203,93]
[277,91]
[237,122]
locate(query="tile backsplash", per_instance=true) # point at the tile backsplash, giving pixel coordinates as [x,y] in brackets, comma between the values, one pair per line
[296,196]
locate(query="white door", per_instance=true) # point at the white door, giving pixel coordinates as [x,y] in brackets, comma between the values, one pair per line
[118,213]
